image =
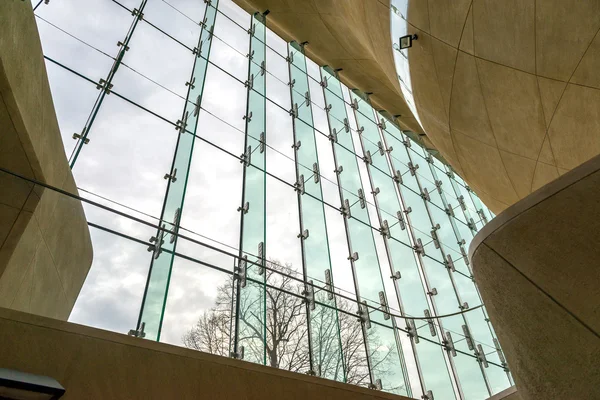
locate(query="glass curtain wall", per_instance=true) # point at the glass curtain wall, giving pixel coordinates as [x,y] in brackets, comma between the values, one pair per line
[243,201]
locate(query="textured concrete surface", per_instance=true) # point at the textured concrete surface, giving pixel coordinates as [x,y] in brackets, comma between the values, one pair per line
[350,34]
[45,247]
[95,364]
[508,91]
[537,268]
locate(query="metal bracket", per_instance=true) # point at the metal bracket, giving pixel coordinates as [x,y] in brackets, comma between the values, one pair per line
[197,106]
[333,136]
[346,125]
[297,145]
[382,125]
[309,294]
[377,385]
[240,273]
[191,83]
[360,130]
[449,344]
[361,198]
[299,186]
[353,257]
[263,68]
[121,44]
[292,83]
[449,210]
[250,82]
[500,353]
[250,55]
[482,215]
[181,124]
[261,258]
[401,221]
[449,263]
[138,14]
[294,111]
[244,209]
[430,322]
[428,395]
[432,292]
[376,191]
[412,330]
[425,195]
[418,247]
[328,108]
[307,98]
[138,333]
[438,186]
[481,356]
[354,104]
[239,355]
[468,337]
[464,306]
[338,170]
[434,236]
[248,117]
[471,225]
[429,159]
[246,158]
[384,306]
[363,314]
[413,168]
[262,141]
[172,176]
[385,229]
[158,241]
[323,84]
[303,235]
[450,174]
[381,148]
[396,276]
[316,175]
[329,284]
[367,158]
[290,58]
[407,142]
[104,85]
[78,136]
[252,30]
[176,219]
[461,201]
[345,209]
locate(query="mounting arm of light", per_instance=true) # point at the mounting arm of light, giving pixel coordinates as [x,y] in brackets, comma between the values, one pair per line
[21,385]
[406,41]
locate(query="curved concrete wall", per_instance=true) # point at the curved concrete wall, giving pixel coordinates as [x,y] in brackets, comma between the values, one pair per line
[508,91]
[45,247]
[537,266]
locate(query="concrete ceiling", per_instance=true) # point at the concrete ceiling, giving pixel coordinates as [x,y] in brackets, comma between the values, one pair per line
[350,34]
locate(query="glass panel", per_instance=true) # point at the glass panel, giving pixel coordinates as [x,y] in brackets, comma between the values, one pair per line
[152,312]
[251,315]
[436,376]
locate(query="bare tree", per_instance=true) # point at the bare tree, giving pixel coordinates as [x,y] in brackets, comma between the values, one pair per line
[337,337]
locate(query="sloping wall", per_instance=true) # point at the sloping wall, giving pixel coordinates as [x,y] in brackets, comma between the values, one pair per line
[45,247]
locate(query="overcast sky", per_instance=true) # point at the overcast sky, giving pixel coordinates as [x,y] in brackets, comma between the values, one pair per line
[130,150]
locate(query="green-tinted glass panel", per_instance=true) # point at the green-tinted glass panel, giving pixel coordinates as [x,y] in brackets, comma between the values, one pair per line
[165,241]
[324,325]
[252,308]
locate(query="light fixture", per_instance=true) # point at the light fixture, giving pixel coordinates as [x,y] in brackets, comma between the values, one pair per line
[16,385]
[406,41]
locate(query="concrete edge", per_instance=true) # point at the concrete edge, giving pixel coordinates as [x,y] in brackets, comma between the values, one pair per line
[573,176]
[122,339]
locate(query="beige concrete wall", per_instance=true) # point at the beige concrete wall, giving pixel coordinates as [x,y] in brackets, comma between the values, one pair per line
[95,364]
[45,247]
[508,91]
[537,266]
